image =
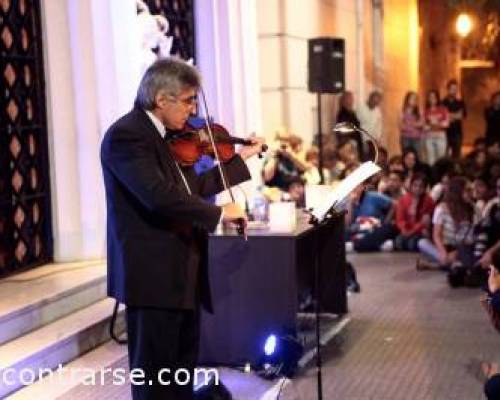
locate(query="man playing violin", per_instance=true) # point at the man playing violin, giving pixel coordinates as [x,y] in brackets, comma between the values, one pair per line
[157,224]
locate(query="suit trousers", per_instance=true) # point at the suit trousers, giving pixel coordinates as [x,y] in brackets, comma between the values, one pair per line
[160,342]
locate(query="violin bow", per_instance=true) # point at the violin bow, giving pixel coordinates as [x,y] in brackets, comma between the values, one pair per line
[241,225]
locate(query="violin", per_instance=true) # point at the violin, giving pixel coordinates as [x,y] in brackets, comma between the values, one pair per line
[190,144]
[187,146]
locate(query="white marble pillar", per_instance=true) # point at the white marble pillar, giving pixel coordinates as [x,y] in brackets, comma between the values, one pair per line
[92,72]
[227,56]
[62,132]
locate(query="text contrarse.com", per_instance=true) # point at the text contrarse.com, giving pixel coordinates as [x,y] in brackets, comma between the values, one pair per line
[109,376]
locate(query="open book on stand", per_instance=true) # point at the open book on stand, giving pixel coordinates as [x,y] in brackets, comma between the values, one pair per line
[338,195]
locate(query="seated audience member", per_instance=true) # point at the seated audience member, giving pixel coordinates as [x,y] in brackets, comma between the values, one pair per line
[441,167]
[396,164]
[383,158]
[296,193]
[452,226]
[488,230]
[413,215]
[412,165]
[493,148]
[481,192]
[439,189]
[476,165]
[392,185]
[311,175]
[347,157]
[493,169]
[366,219]
[285,163]
[492,305]
[478,145]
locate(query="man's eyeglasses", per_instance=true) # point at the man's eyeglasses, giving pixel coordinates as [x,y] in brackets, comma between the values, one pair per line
[188,102]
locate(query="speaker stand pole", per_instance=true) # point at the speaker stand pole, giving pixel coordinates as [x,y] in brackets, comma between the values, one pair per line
[320,143]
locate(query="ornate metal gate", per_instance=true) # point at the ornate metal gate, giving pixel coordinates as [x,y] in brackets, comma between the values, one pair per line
[25,218]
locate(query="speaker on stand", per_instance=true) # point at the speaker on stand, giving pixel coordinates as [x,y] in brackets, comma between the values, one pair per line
[326,64]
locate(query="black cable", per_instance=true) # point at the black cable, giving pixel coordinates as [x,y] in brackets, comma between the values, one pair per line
[281,387]
[112,325]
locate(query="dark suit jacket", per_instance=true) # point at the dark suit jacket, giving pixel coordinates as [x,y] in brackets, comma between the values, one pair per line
[156,231]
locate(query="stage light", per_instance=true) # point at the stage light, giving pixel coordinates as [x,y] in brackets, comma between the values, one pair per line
[270,345]
[280,357]
[463,24]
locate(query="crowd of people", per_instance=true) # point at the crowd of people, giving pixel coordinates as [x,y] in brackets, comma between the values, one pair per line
[431,199]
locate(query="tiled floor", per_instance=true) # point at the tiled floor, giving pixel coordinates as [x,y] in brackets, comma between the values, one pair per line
[410,337]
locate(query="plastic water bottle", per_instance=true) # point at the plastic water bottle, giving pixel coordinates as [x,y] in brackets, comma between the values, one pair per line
[259,208]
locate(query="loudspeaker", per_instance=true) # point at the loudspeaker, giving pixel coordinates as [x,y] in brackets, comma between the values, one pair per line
[326,65]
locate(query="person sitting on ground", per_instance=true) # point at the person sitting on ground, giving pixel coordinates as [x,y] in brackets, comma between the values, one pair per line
[396,164]
[412,165]
[383,158]
[492,304]
[481,193]
[488,230]
[347,157]
[452,225]
[285,163]
[475,165]
[366,219]
[413,215]
[311,175]
[296,192]
[493,168]
[392,185]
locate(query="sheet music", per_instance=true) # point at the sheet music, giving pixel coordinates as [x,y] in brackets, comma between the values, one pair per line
[339,194]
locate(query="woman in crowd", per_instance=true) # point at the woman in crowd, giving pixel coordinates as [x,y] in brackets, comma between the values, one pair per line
[452,220]
[412,165]
[436,121]
[410,123]
[413,214]
[475,164]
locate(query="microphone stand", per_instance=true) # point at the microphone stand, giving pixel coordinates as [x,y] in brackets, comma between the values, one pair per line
[343,127]
[318,225]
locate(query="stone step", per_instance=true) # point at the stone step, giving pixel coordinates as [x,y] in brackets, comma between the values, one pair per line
[91,363]
[55,344]
[35,298]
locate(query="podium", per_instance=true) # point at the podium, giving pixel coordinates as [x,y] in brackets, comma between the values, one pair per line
[256,286]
